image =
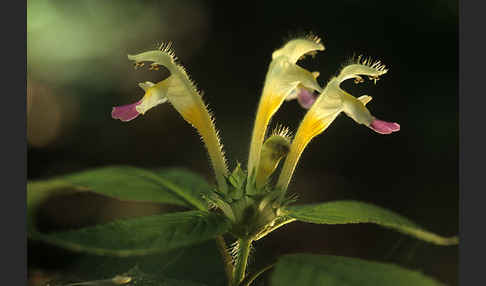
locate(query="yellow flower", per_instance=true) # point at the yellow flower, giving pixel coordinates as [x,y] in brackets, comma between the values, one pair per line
[181,92]
[284,76]
[331,102]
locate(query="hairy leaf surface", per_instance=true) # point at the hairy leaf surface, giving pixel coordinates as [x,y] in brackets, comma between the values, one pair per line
[310,270]
[344,212]
[142,235]
[172,186]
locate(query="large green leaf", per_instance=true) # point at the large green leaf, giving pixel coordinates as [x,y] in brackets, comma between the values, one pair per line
[199,263]
[142,235]
[344,212]
[38,192]
[172,186]
[189,183]
[134,275]
[314,270]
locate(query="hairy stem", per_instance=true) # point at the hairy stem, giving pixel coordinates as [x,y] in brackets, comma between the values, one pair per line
[227,261]
[282,223]
[250,279]
[241,260]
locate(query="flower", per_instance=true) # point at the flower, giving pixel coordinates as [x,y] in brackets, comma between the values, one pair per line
[284,78]
[331,102]
[182,93]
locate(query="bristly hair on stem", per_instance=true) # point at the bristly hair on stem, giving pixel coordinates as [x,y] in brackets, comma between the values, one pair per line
[242,249]
[227,259]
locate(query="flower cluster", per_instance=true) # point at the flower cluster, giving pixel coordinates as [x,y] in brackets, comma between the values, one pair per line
[251,199]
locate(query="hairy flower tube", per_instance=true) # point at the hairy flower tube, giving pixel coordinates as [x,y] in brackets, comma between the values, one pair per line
[253,199]
[331,102]
[284,76]
[182,93]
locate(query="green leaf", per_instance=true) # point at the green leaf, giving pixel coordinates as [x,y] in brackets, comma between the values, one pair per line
[172,186]
[237,177]
[38,192]
[145,279]
[142,235]
[308,269]
[135,276]
[192,186]
[199,263]
[344,212]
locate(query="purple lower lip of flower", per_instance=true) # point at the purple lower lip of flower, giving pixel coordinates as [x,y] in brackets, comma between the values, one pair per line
[125,112]
[306,98]
[384,127]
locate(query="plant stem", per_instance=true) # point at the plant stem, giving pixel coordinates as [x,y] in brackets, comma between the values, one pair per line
[241,260]
[252,278]
[282,223]
[227,260]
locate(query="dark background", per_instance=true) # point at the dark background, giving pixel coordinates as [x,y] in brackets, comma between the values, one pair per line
[77,70]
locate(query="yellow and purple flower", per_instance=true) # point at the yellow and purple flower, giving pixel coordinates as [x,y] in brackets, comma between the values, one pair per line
[283,81]
[182,93]
[331,102]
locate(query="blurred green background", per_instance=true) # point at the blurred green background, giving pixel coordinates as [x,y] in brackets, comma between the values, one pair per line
[78,69]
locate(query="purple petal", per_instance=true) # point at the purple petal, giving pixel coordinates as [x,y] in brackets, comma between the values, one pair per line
[125,112]
[306,98]
[384,127]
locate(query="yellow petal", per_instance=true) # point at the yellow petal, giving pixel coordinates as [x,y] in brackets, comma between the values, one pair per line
[362,66]
[282,78]
[356,109]
[154,95]
[326,108]
[297,48]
